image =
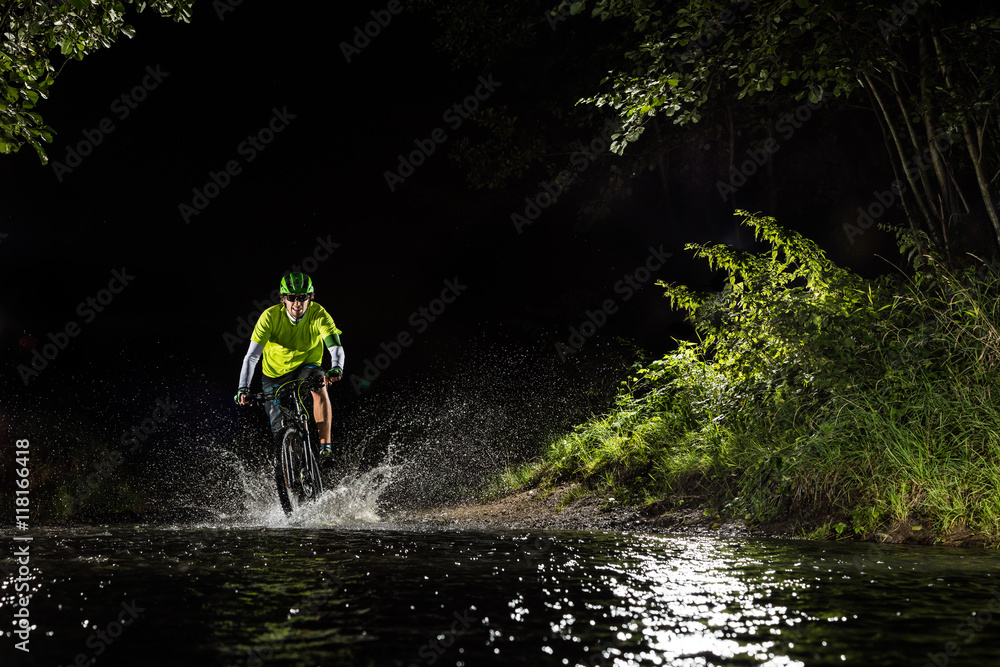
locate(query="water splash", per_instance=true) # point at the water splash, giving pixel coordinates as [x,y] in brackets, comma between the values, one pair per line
[352,501]
[453,425]
[251,500]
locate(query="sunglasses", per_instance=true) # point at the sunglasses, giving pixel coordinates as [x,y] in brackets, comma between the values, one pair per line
[298,297]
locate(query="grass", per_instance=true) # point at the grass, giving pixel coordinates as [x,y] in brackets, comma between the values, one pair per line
[838,406]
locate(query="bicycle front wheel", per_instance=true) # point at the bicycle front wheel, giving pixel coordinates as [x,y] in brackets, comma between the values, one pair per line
[286,471]
[296,472]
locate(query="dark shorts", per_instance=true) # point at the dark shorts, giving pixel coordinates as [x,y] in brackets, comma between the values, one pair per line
[270,384]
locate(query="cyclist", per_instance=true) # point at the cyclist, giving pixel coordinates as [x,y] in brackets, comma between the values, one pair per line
[290,337]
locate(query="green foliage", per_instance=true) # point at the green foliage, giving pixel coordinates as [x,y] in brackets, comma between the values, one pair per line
[927,70]
[814,393]
[496,153]
[689,80]
[781,320]
[696,55]
[478,32]
[32,31]
[528,133]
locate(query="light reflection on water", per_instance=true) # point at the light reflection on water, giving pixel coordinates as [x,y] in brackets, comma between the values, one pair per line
[321,596]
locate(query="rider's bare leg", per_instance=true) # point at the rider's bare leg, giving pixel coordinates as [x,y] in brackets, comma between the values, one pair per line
[321,413]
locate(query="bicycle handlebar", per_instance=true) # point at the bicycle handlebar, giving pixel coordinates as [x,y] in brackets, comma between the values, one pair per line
[312,382]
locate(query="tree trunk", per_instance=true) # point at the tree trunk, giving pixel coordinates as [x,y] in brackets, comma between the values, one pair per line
[901,153]
[915,143]
[931,135]
[974,147]
[975,152]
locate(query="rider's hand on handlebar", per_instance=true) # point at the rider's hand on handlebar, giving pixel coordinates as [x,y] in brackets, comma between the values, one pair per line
[334,374]
[242,396]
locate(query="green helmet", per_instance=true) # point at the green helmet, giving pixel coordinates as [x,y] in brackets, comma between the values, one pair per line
[296,283]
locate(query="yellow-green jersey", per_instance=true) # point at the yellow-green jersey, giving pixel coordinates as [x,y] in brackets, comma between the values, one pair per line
[285,345]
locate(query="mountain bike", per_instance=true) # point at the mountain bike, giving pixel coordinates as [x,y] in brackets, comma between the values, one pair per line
[296,469]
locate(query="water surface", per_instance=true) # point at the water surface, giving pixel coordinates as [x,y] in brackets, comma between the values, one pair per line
[375,594]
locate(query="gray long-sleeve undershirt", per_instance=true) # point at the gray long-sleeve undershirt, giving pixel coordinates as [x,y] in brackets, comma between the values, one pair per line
[250,363]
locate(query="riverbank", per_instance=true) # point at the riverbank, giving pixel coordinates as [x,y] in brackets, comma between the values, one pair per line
[570,507]
[566,507]
[814,403]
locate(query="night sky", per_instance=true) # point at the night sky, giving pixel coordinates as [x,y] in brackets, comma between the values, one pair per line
[223,152]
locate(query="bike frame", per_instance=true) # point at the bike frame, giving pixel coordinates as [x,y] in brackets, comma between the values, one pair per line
[300,415]
[295,419]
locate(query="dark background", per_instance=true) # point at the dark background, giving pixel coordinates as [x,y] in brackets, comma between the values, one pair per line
[322,176]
